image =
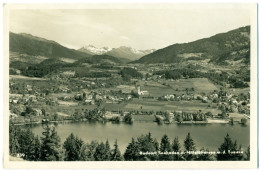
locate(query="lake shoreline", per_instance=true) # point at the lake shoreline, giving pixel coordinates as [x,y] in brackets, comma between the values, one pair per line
[139,121]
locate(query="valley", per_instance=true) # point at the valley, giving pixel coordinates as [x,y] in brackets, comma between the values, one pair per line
[103,94]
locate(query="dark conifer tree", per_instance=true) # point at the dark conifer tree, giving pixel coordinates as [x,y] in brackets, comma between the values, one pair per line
[147,144]
[116,154]
[226,149]
[89,150]
[189,148]
[100,153]
[108,151]
[165,147]
[176,147]
[72,146]
[37,149]
[51,148]
[26,142]
[132,151]
[247,157]
[204,155]
[14,134]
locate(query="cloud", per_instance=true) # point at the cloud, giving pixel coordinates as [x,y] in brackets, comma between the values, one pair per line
[138,28]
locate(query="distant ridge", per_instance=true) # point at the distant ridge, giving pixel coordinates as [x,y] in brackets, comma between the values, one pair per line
[232,45]
[36,46]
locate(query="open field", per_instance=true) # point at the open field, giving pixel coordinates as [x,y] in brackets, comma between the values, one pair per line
[67,103]
[237,116]
[114,106]
[164,87]
[185,106]
[200,85]
[67,60]
[62,94]
[20,77]
[238,91]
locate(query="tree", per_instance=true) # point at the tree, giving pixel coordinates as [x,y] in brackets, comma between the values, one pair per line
[108,151]
[132,151]
[88,151]
[134,94]
[228,150]
[72,146]
[84,95]
[189,148]
[176,147]
[28,110]
[116,154]
[204,156]
[14,133]
[158,120]
[128,118]
[43,112]
[243,121]
[37,149]
[26,142]
[147,144]
[100,153]
[56,116]
[165,147]
[33,152]
[50,149]
[247,157]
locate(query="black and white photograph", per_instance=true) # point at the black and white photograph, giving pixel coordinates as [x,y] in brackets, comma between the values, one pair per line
[130,84]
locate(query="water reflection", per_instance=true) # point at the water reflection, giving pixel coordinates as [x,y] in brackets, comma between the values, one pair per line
[204,135]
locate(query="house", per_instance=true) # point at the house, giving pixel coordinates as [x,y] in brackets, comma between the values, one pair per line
[109,114]
[214,95]
[142,92]
[205,99]
[89,97]
[169,97]
[99,97]
[89,101]
[28,87]
[14,101]
[37,112]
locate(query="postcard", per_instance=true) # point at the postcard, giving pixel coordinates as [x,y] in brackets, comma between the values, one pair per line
[130,86]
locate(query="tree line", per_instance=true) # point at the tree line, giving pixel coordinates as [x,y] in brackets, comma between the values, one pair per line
[237,80]
[48,147]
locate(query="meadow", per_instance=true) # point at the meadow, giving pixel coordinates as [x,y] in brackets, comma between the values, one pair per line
[164,87]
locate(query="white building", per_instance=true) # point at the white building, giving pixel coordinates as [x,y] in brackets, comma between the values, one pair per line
[142,92]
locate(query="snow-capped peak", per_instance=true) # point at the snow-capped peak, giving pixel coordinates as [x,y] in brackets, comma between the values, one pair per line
[96,50]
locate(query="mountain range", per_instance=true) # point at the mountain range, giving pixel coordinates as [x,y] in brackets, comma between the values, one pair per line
[36,46]
[120,52]
[219,49]
[230,46]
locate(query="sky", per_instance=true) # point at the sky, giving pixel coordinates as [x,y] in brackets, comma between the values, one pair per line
[140,28]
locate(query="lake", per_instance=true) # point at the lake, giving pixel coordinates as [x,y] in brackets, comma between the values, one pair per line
[210,136]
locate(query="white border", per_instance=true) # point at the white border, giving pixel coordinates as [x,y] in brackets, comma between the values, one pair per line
[140,165]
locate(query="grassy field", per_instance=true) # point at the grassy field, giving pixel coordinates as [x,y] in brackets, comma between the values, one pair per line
[237,91]
[23,78]
[114,106]
[67,103]
[237,116]
[68,110]
[199,84]
[186,106]
[164,87]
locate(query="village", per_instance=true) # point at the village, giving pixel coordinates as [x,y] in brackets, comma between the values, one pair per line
[64,96]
